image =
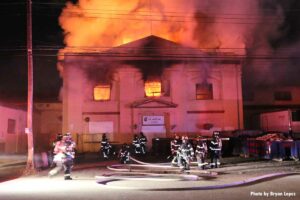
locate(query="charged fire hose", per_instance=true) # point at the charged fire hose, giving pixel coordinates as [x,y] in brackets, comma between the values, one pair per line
[212,187]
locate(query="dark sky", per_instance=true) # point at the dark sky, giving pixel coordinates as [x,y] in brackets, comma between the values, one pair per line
[47,33]
[13,58]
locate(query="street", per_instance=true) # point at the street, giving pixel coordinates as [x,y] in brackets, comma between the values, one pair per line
[246,180]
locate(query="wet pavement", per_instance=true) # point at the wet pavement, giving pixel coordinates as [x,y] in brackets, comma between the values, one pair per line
[237,178]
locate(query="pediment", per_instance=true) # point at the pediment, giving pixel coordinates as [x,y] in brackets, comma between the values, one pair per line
[153,103]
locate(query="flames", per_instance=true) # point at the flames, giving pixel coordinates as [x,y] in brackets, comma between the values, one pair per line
[230,25]
[98,25]
[210,25]
[102,92]
[153,88]
[101,24]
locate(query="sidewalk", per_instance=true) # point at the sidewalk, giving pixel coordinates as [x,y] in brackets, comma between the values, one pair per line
[7,160]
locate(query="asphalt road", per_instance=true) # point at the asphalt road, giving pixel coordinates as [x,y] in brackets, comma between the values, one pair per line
[85,186]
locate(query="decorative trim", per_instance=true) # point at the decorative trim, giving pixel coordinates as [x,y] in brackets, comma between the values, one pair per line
[101,113]
[204,111]
[162,103]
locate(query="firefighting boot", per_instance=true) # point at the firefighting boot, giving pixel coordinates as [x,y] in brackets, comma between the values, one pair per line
[68,177]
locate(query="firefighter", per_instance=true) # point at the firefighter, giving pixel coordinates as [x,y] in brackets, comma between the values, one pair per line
[69,155]
[105,147]
[59,156]
[51,153]
[136,144]
[215,150]
[143,141]
[185,154]
[124,154]
[201,152]
[59,137]
[175,144]
[64,151]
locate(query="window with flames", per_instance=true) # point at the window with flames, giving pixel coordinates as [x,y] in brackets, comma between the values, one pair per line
[102,92]
[153,89]
[204,91]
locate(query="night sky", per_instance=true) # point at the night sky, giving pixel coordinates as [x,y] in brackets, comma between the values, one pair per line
[13,58]
[48,38]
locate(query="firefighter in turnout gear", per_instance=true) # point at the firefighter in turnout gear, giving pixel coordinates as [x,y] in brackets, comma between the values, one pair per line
[69,155]
[64,151]
[175,144]
[58,138]
[201,152]
[58,156]
[124,154]
[136,144]
[106,148]
[143,141]
[215,148]
[185,154]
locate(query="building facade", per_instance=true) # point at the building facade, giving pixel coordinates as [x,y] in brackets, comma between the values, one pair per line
[151,85]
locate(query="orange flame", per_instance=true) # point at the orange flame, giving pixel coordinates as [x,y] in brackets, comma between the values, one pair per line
[102,92]
[153,88]
[93,25]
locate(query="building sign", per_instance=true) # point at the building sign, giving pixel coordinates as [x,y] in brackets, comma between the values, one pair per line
[153,120]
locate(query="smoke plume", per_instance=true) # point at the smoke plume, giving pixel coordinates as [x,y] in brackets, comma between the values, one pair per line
[254,28]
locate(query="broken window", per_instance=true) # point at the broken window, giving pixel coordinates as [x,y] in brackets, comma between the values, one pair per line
[204,91]
[153,88]
[102,92]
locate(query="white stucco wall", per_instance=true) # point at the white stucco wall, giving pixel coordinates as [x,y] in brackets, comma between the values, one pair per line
[224,111]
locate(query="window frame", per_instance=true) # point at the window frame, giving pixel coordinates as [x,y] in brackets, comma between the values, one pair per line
[206,96]
[102,85]
[11,126]
[145,94]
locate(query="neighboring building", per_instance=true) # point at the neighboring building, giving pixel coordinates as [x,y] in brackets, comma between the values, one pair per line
[47,123]
[267,99]
[151,85]
[12,129]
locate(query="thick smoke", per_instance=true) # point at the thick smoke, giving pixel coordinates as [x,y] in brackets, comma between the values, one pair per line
[255,28]
[276,38]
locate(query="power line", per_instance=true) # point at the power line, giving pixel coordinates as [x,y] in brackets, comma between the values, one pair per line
[122,47]
[12,3]
[156,14]
[168,56]
[146,11]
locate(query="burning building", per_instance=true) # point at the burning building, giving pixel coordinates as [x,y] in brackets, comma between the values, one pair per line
[151,85]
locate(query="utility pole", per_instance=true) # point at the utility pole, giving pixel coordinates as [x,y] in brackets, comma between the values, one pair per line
[30,158]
